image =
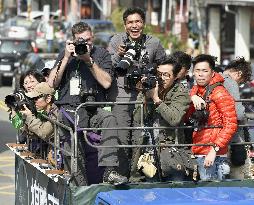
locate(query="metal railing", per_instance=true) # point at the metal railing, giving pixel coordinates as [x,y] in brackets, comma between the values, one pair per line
[74,135]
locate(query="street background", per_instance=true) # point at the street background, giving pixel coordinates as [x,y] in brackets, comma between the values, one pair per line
[7,164]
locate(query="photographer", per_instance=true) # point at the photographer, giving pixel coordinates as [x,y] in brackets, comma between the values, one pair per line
[166,104]
[83,75]
[236,73]
[43,97]
[185,61]
[220,111]
[129,51]
[28,107]
[27,83]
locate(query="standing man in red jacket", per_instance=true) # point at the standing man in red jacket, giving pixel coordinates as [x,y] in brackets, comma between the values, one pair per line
[220,111]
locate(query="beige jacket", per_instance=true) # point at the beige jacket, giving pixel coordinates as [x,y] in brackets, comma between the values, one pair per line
[42,128]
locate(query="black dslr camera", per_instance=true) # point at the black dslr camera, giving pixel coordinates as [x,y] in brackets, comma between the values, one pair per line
[199,118]
[131,79]
[133,52]
[80,46]
[17,101]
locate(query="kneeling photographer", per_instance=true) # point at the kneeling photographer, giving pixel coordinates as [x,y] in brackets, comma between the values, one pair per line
[15,100]
[43,98]
[83,74]
[30,106]
[166,104]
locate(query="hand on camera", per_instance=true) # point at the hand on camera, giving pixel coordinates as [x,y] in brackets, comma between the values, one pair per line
[198,102]
[25,111]
[153,93]
[121,50]
[69,49]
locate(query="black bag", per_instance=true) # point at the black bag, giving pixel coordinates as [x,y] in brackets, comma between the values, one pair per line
[238,155]
[178,159]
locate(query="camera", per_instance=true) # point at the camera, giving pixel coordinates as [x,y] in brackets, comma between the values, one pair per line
[199,117]
[80,46]
[89,95]
[150,82]
[133,52]
[132,78]
[17,101]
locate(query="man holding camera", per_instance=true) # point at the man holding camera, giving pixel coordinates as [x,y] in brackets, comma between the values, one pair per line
[39,101]
[43,97]
[185,61]
[129,51]
[237,72]
[166,104]
[220,109]
[83,75]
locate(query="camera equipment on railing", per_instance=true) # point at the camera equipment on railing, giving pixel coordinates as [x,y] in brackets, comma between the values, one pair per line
[17,101]
[80,46]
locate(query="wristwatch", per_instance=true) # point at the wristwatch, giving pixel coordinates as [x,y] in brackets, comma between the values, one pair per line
[91,62]
[216,148]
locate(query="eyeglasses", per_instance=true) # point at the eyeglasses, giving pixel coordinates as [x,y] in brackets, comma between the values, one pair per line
[166,75]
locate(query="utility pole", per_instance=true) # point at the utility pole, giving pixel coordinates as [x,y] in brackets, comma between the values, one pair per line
[29,8]
[18,6]
[74,15]
[201,39]
[149,11]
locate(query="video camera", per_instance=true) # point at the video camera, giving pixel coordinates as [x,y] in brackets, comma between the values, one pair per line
[17,101]
[131,79]
[133,52]
[80,46]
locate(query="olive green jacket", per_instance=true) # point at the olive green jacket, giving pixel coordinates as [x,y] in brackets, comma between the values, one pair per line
[169,113]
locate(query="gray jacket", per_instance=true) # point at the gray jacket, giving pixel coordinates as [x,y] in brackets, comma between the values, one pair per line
[156,55]
[233,88]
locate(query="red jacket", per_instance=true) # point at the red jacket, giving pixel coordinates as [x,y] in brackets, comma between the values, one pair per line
[221,112]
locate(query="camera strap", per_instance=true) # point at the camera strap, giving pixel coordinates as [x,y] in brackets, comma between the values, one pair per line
[209,89]
[57,70]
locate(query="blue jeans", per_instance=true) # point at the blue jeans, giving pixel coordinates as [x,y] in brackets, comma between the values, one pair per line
[218,171]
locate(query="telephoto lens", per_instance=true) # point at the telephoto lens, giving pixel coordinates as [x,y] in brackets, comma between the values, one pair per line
[126,62]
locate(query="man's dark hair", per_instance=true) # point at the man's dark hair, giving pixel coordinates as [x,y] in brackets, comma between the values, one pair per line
[183,59]
[205,58]
[80,27]
[240,64]
[37,75]
[135,10]
[170,60]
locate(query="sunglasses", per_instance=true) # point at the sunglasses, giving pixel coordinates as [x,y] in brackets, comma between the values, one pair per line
[38,97]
